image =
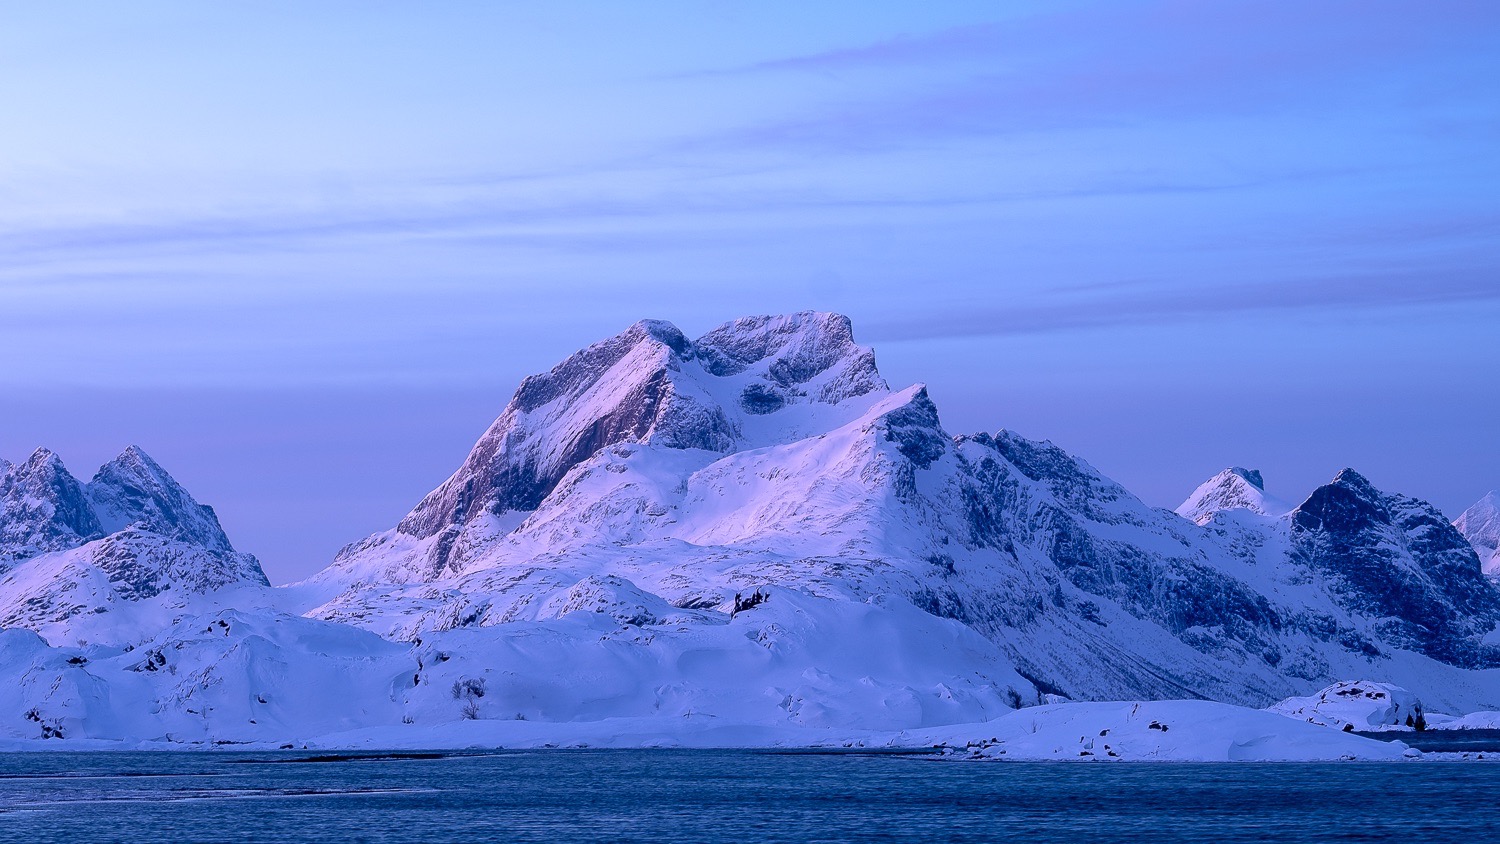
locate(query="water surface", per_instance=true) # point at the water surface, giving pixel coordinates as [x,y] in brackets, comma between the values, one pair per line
[727,796]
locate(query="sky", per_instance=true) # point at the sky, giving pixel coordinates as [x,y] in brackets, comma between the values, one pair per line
[302,253]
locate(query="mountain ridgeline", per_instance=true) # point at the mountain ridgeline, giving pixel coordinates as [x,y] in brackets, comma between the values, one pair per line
[770,451]
[750,524]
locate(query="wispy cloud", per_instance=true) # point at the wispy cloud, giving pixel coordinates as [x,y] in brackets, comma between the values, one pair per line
[561,222]
[1149,303]
[1116,62]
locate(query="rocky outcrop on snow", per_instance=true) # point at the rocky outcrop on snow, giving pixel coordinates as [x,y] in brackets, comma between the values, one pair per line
[131,534]
[1480,525]
[1357,705]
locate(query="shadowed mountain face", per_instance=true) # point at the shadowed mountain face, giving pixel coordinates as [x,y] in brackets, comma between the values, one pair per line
[1399,560]
[770,451]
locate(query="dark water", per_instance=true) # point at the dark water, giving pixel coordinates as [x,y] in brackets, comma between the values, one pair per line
[730,796]
[1447,741]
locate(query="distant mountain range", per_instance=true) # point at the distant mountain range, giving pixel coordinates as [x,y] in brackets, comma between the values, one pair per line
[749,526]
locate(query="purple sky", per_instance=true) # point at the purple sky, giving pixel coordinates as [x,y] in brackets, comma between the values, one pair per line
[302,254]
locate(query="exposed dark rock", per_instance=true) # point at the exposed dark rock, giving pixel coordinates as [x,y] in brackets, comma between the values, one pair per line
[1398,559]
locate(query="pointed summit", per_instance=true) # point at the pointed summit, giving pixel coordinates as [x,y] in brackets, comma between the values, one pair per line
[1348,502]
[1480,524]
[1354,480]
[134,490]
[1232,489]
[43,508]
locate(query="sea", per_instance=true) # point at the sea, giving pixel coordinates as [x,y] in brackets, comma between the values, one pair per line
[728,796]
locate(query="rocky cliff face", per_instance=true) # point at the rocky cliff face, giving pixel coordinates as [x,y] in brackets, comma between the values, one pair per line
[1398,560]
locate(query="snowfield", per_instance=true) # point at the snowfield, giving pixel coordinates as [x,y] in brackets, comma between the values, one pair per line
[749,539]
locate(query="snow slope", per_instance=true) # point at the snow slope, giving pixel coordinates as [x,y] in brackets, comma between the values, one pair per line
[1151,731]
[1168,730]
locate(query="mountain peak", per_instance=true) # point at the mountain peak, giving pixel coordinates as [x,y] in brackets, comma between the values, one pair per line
[1354,480]
[1354,531]
[43,508]
[1251,475]
[661,331]
[1488,503]
[1235,488]
[136,454]
[811,352]
[134,489]
[649,384]
[1480,525]
[1348,499]
[914,427]
[42,458]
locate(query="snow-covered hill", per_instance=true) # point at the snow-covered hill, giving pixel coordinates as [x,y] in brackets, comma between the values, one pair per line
[748,528]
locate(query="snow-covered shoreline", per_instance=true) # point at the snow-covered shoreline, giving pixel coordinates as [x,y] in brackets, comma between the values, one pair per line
[1162,731]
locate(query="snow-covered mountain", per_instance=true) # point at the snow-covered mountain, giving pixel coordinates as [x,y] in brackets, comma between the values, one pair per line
[746,528]
[1480,524]
[770,452]
[1231,489]
[71,553]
